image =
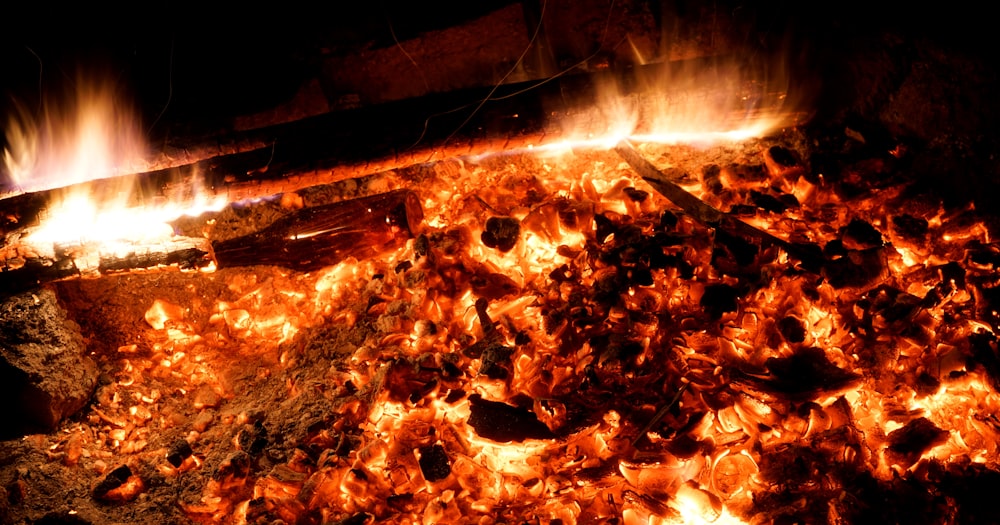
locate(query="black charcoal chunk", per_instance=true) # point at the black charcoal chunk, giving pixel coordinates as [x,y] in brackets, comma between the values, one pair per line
[810,256]
[641,276]
[743,253]
[505,423]
[236,465]
[719,299]
[789,200]
[495,361]
[63,517]
[857,268]
[806,374]
[604,228]
[454,396]
[422,245]
[792,329]
[403,266]
[434,462]
[986,254]
[910,227]
[861,235]
[952,272]
[916,437]
[710,176]
[252,438]
[400,502]
[178,452]
[668,220]
[501,233]
[782,156]
[984,346]
[114,479]
[361,518]
[767,202]
[636,195]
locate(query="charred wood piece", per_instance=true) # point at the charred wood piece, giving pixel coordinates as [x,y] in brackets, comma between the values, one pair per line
[792,329]
[861,235]
[325,235]
[804,375]
[916,437]
[361,518]
[695,207]
[304,240]
[434,462]
[178,452]
[253,438]
[114,480]
[496,362]
[505,423]
[719,299]
[502,233]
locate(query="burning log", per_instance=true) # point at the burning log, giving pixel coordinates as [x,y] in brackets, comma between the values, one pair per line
[304,240]
[344,144]
[325,235]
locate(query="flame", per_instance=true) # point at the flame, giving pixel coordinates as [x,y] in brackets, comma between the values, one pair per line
[699,102]
[88,137]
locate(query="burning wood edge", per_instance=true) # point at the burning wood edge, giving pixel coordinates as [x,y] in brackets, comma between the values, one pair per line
[693,206]
[305,240]
[337,146]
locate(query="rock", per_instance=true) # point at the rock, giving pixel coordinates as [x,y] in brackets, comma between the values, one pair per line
[44,374]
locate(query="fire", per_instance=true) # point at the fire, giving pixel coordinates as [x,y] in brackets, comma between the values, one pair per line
[561,344]
[90,135]
[81,146]
[697,102]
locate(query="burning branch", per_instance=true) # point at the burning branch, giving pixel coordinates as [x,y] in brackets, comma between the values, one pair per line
[305,240]
[698,209]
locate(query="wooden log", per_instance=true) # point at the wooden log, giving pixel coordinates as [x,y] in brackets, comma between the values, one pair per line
[325,235]
[304,240]
[698,209]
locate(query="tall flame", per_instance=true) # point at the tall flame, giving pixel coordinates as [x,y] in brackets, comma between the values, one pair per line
[91,135]
[699,102]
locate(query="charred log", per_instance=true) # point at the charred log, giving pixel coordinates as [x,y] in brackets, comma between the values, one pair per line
[305,240]
[324,235]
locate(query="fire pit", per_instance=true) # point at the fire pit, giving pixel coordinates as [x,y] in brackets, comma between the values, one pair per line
[746,322]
